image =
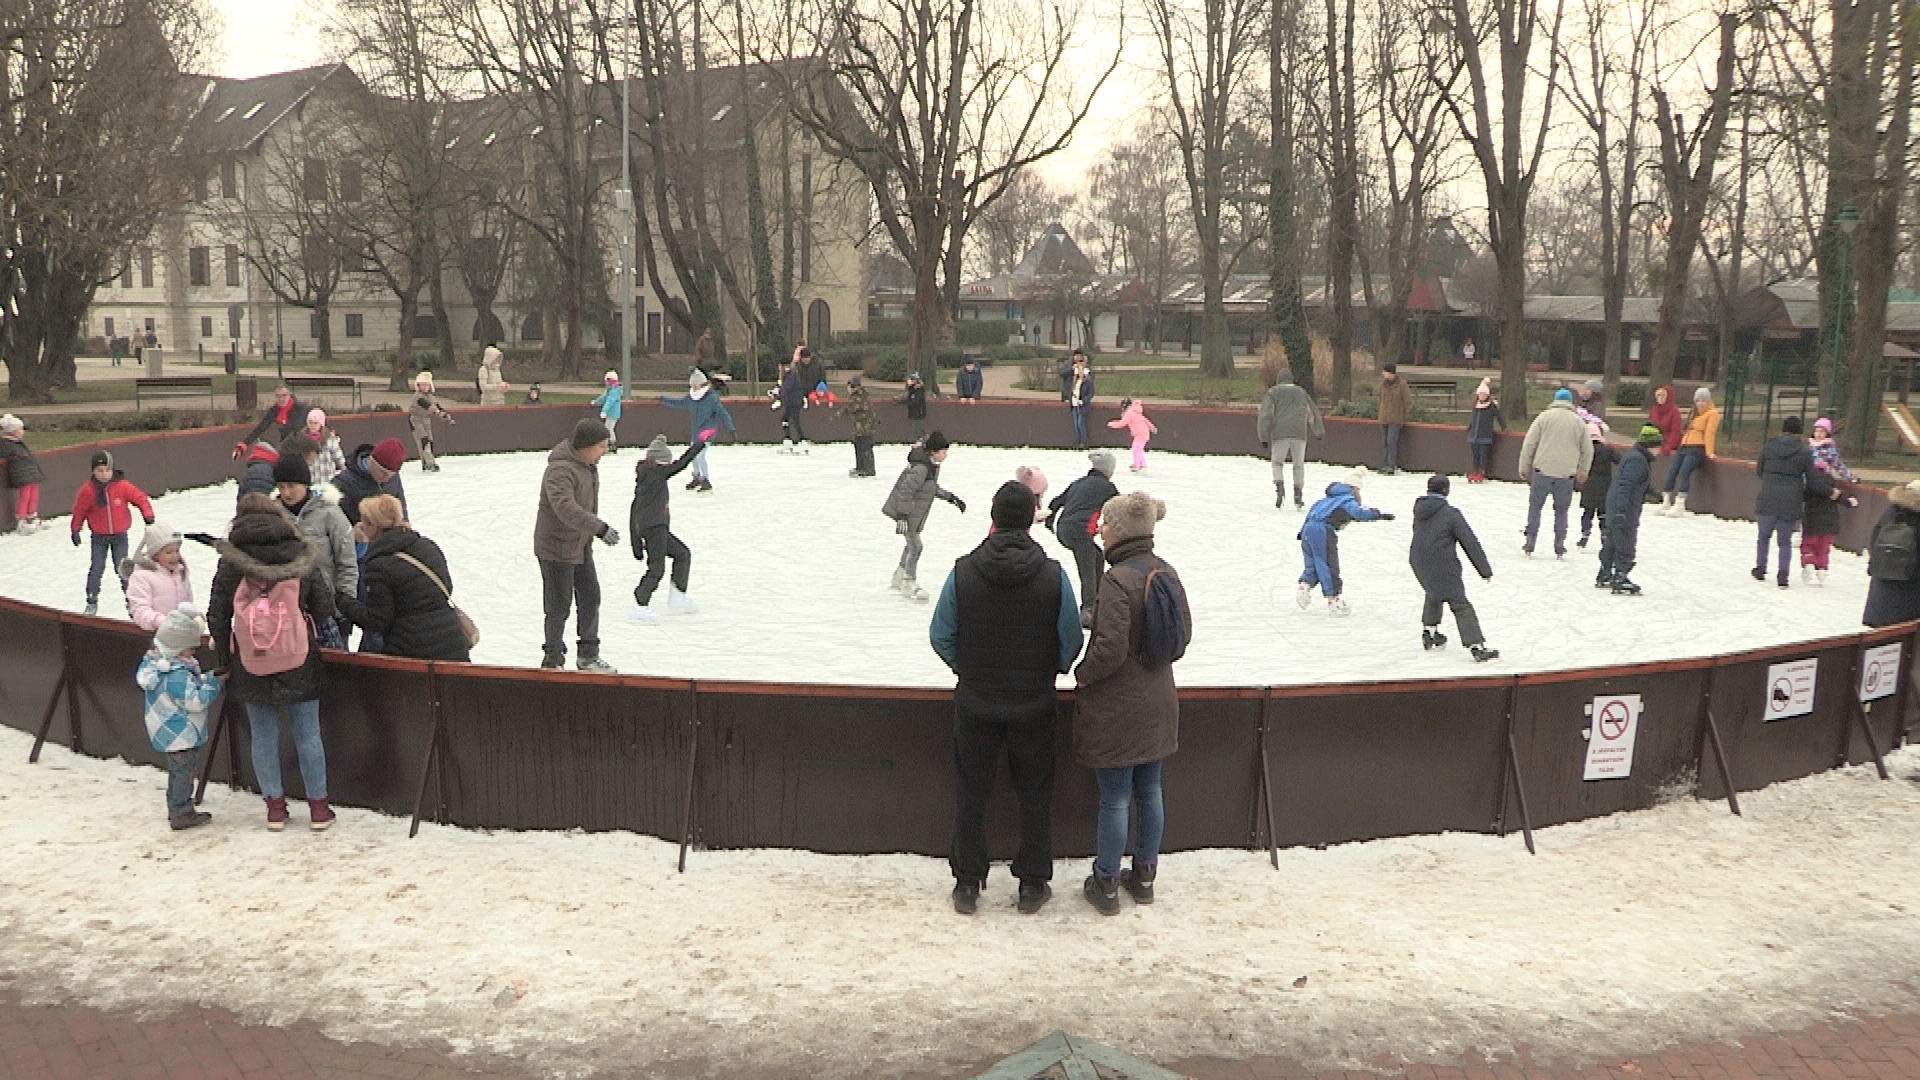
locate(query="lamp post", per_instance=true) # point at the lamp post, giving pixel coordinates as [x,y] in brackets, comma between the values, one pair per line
[623,199]
[1848,220]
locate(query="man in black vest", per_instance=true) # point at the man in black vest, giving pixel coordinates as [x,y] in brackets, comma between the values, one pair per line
[1006,624]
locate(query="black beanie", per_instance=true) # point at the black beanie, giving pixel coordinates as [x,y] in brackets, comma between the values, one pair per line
[935,442]
[1438,484]
[292,470]
[1013,506]
[99,458]
[590,432]
[1791,425]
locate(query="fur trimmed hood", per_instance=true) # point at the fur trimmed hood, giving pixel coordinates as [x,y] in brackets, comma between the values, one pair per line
[267,549]
[1906,496]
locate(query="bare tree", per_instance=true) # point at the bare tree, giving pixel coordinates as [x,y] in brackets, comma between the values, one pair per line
[1010,226]
[1135,195]
[1286,78]
[1508,166]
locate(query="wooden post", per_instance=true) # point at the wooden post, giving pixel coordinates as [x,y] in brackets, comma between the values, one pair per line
[693,762]
[213,746]
[1266,777]
[46,718]
[433,750]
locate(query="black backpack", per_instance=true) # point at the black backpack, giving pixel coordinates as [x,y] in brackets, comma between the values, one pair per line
[1895,555]
[1165,632]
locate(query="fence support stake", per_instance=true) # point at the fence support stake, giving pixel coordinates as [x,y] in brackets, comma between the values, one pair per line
[433,750]
[693,761]
[1720,759]
[46,718]
[1266,777]
[213,747]
[1860,711]
[1513,770]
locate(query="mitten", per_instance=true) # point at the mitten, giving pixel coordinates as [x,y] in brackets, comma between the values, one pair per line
[1386,517]
[899,528]
[76,539]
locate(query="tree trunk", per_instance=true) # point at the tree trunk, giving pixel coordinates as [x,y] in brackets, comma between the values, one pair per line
[442,318]
[324,311]
[1510,306]
[1688,185]
[400,375]
[1216,351]
[923,330]
[1879,248]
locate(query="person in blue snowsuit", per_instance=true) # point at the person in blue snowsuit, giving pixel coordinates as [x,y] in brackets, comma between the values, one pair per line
[1320,541]
[708,415]
[611,403]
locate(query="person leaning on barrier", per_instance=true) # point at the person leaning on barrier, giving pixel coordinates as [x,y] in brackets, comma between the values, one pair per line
[405,606]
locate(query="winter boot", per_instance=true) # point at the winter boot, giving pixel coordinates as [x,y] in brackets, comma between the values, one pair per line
[1303,596]
[1103,893]
[1280,496]
[319,815]
[1138,881]
[693,484]
[1338,606]
[899,578]
[966,897]
[1758,574]
[1623,587]
[1033,896]
[1431,638]
[276,814]
[1584,537]
[680,603]
[706,486]
[1819,577]
[1482,654]
[193,819]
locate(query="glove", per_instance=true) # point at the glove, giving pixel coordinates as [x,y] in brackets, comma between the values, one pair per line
[1265,446]
[899,529]
[1386,517]
[1051,514]
[148,520]
[958,503]
[239,450]
[76,539]
[202,538]
[609,536]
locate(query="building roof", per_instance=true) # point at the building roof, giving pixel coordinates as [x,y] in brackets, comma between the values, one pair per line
[235,114]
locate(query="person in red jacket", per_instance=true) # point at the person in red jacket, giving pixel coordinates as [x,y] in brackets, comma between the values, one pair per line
[103,505]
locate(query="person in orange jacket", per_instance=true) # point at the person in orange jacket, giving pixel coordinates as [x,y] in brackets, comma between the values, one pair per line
[1696,449]
[104,505]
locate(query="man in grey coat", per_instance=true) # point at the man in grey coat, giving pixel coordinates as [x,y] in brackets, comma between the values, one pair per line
[1287,414]
[1554,460]
[564,530]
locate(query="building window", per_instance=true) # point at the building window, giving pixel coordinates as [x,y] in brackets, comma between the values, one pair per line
[806,218]
[109,327]
[229,180]
[235,313]
[350,182]
[530,328]
[199,185]
[653,331]
[146,268]
[233,264]
[206,326]
[313,180]
[199,266]
[356,326]
[126,271]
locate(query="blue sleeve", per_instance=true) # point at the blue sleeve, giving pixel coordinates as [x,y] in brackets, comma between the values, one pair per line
[206,689]
[1071,634]
[1361,513]
[725,417]
[676,402]
[945,632]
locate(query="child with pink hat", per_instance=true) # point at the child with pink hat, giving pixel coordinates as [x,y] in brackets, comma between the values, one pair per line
[1820,518]
[332,459]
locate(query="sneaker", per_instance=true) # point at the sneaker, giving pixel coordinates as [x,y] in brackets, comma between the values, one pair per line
[636,613]
[786,446]
[1303,596]
[1033,896]
[276,814]
[1623,587]
[911,590]
[191,820]
[680,603]
[1432,639]
[92,608]
[1482,654]
[966,897]
[899,578]
[1103,893]
[1338,606]
[1138,881]
[319,815]
[595,665]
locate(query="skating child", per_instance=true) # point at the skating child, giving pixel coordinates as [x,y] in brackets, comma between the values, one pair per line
[866,423]
[910,502]
[1593,497]
[331,458]
[1133,417]
[1074,517]
[104,504]
[1320,541]
[256,475]
[611,402]
[420,417]
[915,398]
[1481,421]
[23,473]
[707,414]
[1440,532]
[178,697]
[1621,540]
[1821,521]
[648,524]
[156,578]
[1035,482]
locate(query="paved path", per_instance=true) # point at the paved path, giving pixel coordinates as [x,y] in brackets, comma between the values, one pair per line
[70,1043]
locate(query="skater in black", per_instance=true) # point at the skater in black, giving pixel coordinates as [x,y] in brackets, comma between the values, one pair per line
[1621,540]
[653,540]
[1593,494]
[915,398]
[1440,531]
[1074,517]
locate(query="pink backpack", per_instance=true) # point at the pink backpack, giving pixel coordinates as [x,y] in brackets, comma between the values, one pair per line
[271,635]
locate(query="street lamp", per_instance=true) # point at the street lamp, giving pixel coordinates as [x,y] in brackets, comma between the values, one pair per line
[623,200]
[1848,220]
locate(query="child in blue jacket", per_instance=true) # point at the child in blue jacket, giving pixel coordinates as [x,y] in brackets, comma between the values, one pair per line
[178,697]
[708,415]
[1320,541]
[611,402]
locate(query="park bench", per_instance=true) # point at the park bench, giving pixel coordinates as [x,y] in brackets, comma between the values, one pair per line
[305,386]
[173,386]
[1436,390]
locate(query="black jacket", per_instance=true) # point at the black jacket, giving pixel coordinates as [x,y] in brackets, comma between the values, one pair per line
[916,399]
[410,613]
[1440,532]
[1076,505]
[1890,602]
[275,432]
[22,469]
[1631,475]
[968,384]
[267,548]
[355,483]
[1821,514]
[1007,640]
[1786,475]
[1599,477]
[650,496]
[1480,423]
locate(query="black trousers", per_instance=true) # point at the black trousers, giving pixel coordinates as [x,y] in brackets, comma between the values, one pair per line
[790,426]
[1091,562]
[977,746]
[570,588]
[1620,541]
[1463,614]
[863,455]
[662,545]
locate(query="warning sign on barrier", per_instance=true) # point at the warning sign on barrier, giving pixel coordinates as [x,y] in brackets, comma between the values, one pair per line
[1790,689]
[1616,721]
[1879,672]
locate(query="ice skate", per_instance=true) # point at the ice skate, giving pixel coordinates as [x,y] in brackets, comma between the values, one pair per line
[1603,581]
[1623,587]
[1806,575]
[1584,537]
[1482,654]
[804,447]
[1432,639]
[1527,550]
[1299,503]
[1280,498]
[680,603]
[786,446]
[92,608]
[911,590]
[706,486]
[1303,596]
[1338,606]
[693,483]
[899,578]
[636,613]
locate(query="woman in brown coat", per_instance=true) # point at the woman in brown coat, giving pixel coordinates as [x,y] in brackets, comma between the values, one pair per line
[1126,712]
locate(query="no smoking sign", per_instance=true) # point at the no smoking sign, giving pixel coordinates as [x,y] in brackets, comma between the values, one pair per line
[1616,722]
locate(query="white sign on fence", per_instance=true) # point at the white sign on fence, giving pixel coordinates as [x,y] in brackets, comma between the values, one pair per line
[1616,721]
[1790,689]
[1880,672]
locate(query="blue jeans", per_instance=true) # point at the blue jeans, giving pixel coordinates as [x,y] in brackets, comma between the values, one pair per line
[1138,786]
[700,463]
[117,544]
[1689,459]
[1390,439]
[181,767]
[303,717]
[1080,422]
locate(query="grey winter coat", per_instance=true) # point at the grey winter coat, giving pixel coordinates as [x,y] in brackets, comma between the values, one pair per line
[1124,712]
[1288,412]
[267,549]
[913,494]
[320,518]
[568,519]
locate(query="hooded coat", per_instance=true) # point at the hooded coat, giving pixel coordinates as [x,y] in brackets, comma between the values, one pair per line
[1665,415]
[1134,420]
[153,591]
[355,483]
[969,381]
[568,519]
[1076,510]
[321,519]
[1593,495]
[404,607]
[266,548]
[1288,412]
[913,493]
[22,469]
[1627,494]
[1440,533]
[1890,602]
[1006,624]
[1396,398]
[1786,476]
[1125,712]
[493,388]
[107,509]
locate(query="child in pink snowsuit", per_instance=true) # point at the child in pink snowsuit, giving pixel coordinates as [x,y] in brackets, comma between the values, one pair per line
[1133,417]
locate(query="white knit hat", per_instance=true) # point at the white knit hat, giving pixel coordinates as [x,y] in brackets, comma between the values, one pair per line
[1357,477]
[11,424]
[180,631]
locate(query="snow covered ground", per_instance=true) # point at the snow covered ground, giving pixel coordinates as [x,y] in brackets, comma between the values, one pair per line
[792,560]
[575,953]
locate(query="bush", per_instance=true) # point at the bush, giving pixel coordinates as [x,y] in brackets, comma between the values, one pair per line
[983,331]
[878,332]
[890,366]
[991,353]
[1630,394]
[769,368]
[1363,409]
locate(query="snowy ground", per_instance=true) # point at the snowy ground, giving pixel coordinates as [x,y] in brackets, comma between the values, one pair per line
[792,559]
[577,953]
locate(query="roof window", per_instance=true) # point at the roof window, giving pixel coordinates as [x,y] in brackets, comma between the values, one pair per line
[253,112]
[226,114]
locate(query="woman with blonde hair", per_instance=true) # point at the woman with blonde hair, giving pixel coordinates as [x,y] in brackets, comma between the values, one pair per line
[409,590]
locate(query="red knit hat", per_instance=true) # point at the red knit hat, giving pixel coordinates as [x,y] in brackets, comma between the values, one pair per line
[390,454]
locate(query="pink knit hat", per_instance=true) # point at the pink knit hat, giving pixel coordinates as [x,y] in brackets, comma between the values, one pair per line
[316,419]
[1823,424]
[1034,479]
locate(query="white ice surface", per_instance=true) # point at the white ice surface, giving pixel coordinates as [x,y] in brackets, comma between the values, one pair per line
[573,953]
[791,561]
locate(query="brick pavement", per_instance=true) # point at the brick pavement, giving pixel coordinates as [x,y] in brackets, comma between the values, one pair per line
[71,1043]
